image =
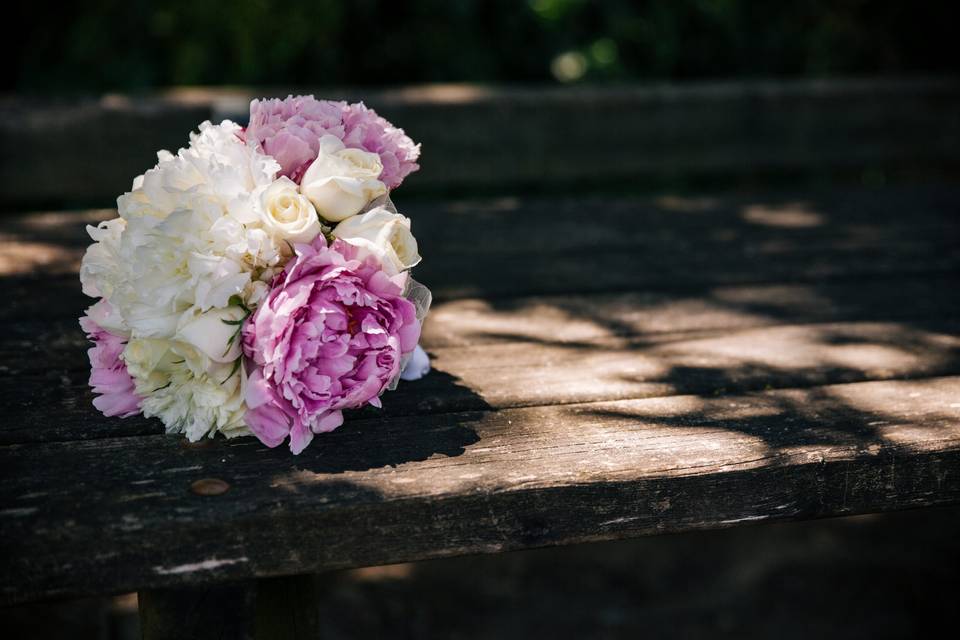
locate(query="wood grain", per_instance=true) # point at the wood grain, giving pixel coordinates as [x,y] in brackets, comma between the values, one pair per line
[533,246]
[604,367]
[622,134]
[540,371]
[117,514]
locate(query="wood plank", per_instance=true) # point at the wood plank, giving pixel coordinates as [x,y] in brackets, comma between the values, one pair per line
[510,247]
[118,514]
[42,344]
[632,345]
[562,222]
[490,137]
[540,371]
[36,325]
[696,310]
[549,329]
[50,142]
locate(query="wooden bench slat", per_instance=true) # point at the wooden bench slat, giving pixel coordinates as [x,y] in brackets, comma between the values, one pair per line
[634,345]
[49,326]
[562,221]
[566,245]
[565,135]
[114,514]
[617,380]
[648,314]
[543,372]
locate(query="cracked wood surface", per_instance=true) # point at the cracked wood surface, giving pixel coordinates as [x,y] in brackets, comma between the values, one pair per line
[604,367]
[118,513]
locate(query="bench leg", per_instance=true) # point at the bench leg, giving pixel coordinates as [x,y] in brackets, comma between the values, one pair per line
[268,609]
[288,608]
[198,613]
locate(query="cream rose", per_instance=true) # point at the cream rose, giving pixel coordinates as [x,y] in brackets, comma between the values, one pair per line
[287,214]
[342,181]
[383,234]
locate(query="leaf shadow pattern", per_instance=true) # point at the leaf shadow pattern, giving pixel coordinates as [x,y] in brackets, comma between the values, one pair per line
[679,258]
[791,380]
[781,420]
[843,289]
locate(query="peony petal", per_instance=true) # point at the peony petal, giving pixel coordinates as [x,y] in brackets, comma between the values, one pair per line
[300,437]
[258,391]
[328,422]
[269,424]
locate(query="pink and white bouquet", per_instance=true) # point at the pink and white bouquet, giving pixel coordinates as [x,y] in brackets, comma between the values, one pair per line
[258,281]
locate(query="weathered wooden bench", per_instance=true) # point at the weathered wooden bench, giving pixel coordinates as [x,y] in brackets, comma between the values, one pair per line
[605,367]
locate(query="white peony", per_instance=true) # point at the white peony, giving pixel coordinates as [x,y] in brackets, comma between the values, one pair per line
[190,240]
[190,235]
[217,166]
[384,234]
[341,181]
[106,317]
[98,271]
[185,389]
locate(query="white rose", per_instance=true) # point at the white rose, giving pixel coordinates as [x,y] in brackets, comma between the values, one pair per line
[212,333]
[286,214]
[341,181]
[383,234]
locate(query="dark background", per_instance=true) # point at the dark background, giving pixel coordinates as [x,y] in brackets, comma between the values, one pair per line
[134,45]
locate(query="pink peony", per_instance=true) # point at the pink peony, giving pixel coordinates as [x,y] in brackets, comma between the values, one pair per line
[328,337]
[290,131]
[364,129]
[108,372]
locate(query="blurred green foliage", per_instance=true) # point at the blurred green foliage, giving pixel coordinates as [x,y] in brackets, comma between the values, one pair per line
[137,44]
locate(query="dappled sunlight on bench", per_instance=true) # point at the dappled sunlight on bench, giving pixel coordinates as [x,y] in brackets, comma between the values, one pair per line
[836,422]
[794,215]
[46,243]
[870,349]
[23,258]
[527,358]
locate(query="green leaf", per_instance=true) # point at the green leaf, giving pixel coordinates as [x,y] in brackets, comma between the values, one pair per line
[236,301]
[236,367]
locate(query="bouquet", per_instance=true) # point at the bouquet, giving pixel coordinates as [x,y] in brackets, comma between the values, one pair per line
[258,281]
